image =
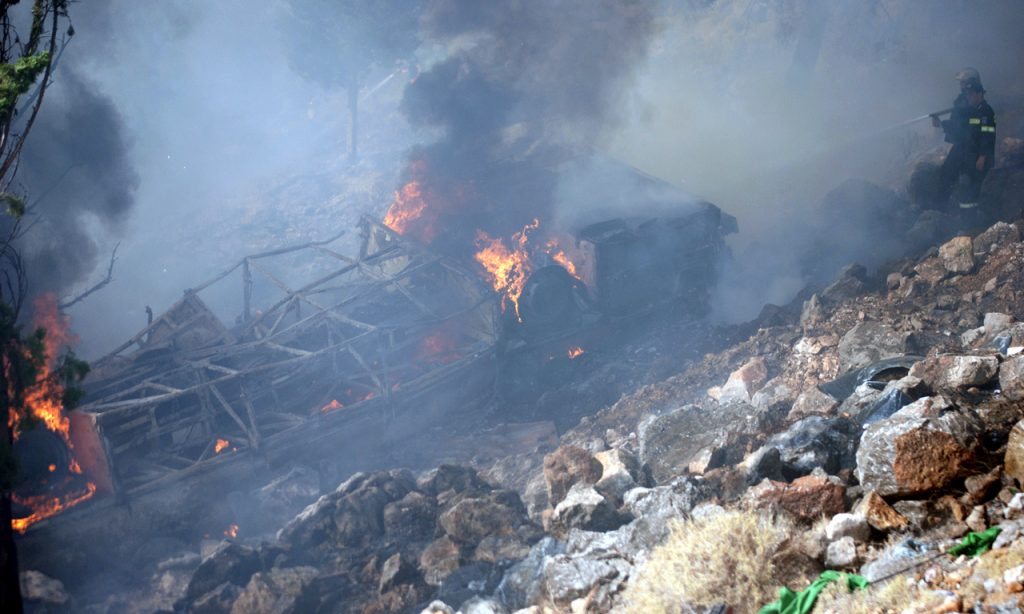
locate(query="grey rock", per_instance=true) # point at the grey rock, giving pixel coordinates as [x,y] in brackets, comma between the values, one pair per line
[868,342]
[947,373]
[567,578]
[841,553]
[850,282]
[273,591]
[232,563]
[1011,378]
[472,519]
[438,607]
[813,313]
[585,508]
[848,525]
[812,402]
[482,605]
[216,601]
[957,255]
[395,570]
[998,235]
[523,582]
[995,323]
[813,442]
[774,393]
[669,442]
[922,447]
[38,587]
[620,472]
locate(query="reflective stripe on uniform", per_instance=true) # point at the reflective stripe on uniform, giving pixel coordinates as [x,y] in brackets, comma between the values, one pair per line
[988,128]
[968,205]
[974,121]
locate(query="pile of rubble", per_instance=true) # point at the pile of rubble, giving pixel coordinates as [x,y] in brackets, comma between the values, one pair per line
[920,442]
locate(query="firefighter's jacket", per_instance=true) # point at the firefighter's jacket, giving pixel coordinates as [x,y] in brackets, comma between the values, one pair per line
[972,131]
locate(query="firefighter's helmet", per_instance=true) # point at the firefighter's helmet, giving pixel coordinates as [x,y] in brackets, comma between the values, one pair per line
[968,73]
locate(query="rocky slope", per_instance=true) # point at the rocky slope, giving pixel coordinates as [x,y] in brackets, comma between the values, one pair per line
[865,428]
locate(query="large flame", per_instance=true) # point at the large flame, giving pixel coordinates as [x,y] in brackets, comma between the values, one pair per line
[407,209]
[508,268]
[43,402]
[554,248]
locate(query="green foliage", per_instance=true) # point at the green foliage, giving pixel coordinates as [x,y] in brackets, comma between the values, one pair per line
[16,78]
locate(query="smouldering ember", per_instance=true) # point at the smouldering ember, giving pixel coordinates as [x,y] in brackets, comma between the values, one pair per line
[508,268]
[231,532]
[575,352]
[333,405]
[43,401]
[220,445]
[438,347]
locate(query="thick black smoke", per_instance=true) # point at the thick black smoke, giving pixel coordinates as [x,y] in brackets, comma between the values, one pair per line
[524,87]
[80,181]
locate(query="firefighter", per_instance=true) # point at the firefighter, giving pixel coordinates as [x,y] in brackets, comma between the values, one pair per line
[971,129]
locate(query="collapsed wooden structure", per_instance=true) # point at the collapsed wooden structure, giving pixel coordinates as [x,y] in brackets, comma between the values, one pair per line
[364,334]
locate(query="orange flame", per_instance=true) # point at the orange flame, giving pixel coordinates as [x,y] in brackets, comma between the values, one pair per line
[220,445]
[408,207]
[232,531]
[575,352]
[508,268]
[43,402]
[553,248]
[333,405]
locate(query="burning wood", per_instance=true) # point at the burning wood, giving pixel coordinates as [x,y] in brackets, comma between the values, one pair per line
[575,352]
[370,331]
[59,485]
[508,268]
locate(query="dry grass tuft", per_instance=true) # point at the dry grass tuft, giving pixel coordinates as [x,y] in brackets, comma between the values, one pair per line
[991,565]
[736,558]
[897,595]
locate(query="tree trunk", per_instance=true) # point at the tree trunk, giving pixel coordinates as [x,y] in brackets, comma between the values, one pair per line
[10,585]
[353,110]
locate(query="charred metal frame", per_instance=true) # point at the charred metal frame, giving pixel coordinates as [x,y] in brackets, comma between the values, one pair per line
[166,399]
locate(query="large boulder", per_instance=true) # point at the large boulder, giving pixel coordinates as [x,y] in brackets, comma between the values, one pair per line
[957,255]
[497,513]
[742,383]
[232,563]
[620,473]
[869,342]
[670,442]
[921,448]
[1011,378]
[566,466]
[815,441]
[998,235]
[273,591]
[879,514]
[950,373]
[523,583]
[352,514]
[586,509]
[807,498]
[1013,461]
